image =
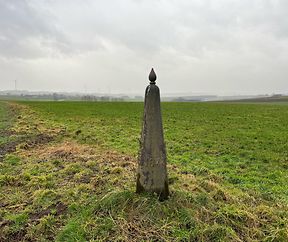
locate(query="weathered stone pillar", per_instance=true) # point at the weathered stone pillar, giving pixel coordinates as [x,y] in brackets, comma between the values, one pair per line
[152,172]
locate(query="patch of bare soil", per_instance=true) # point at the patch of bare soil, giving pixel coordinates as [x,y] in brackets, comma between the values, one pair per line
[8,148]
[5,133]
[17,236]
[39,139]
[30,142]
[59,207]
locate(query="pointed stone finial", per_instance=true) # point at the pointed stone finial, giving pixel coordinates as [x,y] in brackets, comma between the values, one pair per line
[152,76]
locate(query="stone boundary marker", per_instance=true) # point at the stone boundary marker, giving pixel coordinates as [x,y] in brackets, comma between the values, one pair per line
[152,171]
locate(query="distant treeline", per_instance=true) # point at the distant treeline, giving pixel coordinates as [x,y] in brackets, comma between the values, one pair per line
[63,97]
[274,98]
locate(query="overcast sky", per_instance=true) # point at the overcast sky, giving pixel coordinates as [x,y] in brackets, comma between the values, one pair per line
[195,46]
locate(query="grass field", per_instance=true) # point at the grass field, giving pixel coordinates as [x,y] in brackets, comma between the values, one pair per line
[71,176]
[4,122]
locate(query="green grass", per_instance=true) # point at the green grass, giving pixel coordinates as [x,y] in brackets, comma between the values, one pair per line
[4,123]
[227,173]
[2,115]
[245,144]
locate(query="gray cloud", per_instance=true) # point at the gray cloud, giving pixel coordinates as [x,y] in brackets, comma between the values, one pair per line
[208,46]
[27,34]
